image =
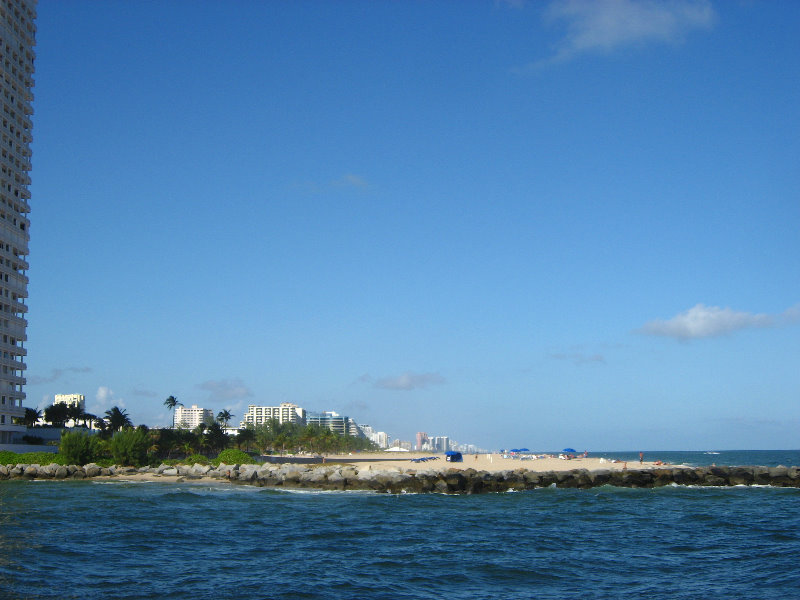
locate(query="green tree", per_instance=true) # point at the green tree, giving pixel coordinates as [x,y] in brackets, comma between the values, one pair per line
[171,402]
[129,447]
[224,417]
[100,423]
[265,436]
[215,437]
[78,447]
[245,437]
[30,418]
[56,414]
[187,448]
[75,413]
[117,419]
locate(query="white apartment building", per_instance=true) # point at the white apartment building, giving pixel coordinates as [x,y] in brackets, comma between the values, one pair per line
[190,417]
[285,413]
[71,400]
[17,39]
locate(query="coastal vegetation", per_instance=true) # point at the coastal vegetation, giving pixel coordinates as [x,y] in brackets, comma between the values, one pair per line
[112,439]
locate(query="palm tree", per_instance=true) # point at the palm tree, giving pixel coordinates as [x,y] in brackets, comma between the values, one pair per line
[224,416]
[187,448]
[31,417]
[117,419]
[246,436]
[76,413]
[56,414]
[171,402]
[215,437]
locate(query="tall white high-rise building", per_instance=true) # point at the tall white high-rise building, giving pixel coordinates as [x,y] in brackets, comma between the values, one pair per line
[190,417]
[17,39]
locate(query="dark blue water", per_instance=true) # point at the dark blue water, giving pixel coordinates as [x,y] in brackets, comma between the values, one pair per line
[81,539]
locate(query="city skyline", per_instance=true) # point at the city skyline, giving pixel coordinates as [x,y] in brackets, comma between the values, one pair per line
[524,224]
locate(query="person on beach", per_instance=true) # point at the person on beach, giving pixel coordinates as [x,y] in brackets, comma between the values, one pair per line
[641,457]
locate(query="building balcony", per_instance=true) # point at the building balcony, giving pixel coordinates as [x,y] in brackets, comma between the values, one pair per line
[15,379]
[12,411]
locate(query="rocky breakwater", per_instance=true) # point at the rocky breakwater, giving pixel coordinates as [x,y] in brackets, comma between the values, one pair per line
[399,480]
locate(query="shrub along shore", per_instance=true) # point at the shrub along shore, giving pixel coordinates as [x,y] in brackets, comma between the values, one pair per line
[344,476]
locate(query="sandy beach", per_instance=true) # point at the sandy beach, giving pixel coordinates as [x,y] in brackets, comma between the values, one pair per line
[491,463]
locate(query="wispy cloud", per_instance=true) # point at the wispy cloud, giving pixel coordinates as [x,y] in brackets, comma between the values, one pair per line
[56,375]
[350,180]
[347,181]
[579,358]
[226,389]
[605,25]
[405,382]
[357,406]
[703,321]
[144,393]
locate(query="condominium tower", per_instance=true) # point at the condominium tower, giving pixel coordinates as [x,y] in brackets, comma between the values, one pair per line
[17,39]
[189,418]
[285,413]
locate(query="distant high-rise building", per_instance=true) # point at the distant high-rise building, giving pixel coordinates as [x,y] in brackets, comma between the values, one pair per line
[335,422]
[401,444]
[189,418]
[422,440]
[379,438]
[285,413]
[441,443]
[17,39]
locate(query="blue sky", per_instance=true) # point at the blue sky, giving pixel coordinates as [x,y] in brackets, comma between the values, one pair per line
[513,223]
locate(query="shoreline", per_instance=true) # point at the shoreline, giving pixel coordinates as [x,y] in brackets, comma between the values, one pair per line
[397,476]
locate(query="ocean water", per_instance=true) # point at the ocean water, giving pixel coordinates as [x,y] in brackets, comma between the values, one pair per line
[97,540]
[766,458]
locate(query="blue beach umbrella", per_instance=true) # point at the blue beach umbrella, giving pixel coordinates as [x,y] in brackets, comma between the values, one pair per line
[568,450]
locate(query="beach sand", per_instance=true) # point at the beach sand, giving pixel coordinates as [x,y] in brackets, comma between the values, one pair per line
[491,463]
[387,461]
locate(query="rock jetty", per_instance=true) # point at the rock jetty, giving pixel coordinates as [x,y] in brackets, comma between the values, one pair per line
[398,480]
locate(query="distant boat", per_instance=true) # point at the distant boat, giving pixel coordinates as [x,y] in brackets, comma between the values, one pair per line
[711,452]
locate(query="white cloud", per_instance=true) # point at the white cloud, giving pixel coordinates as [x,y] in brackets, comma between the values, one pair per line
[105,398]
[226,389]
[409,381]
[603,25]
[703,321]
[791,315]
